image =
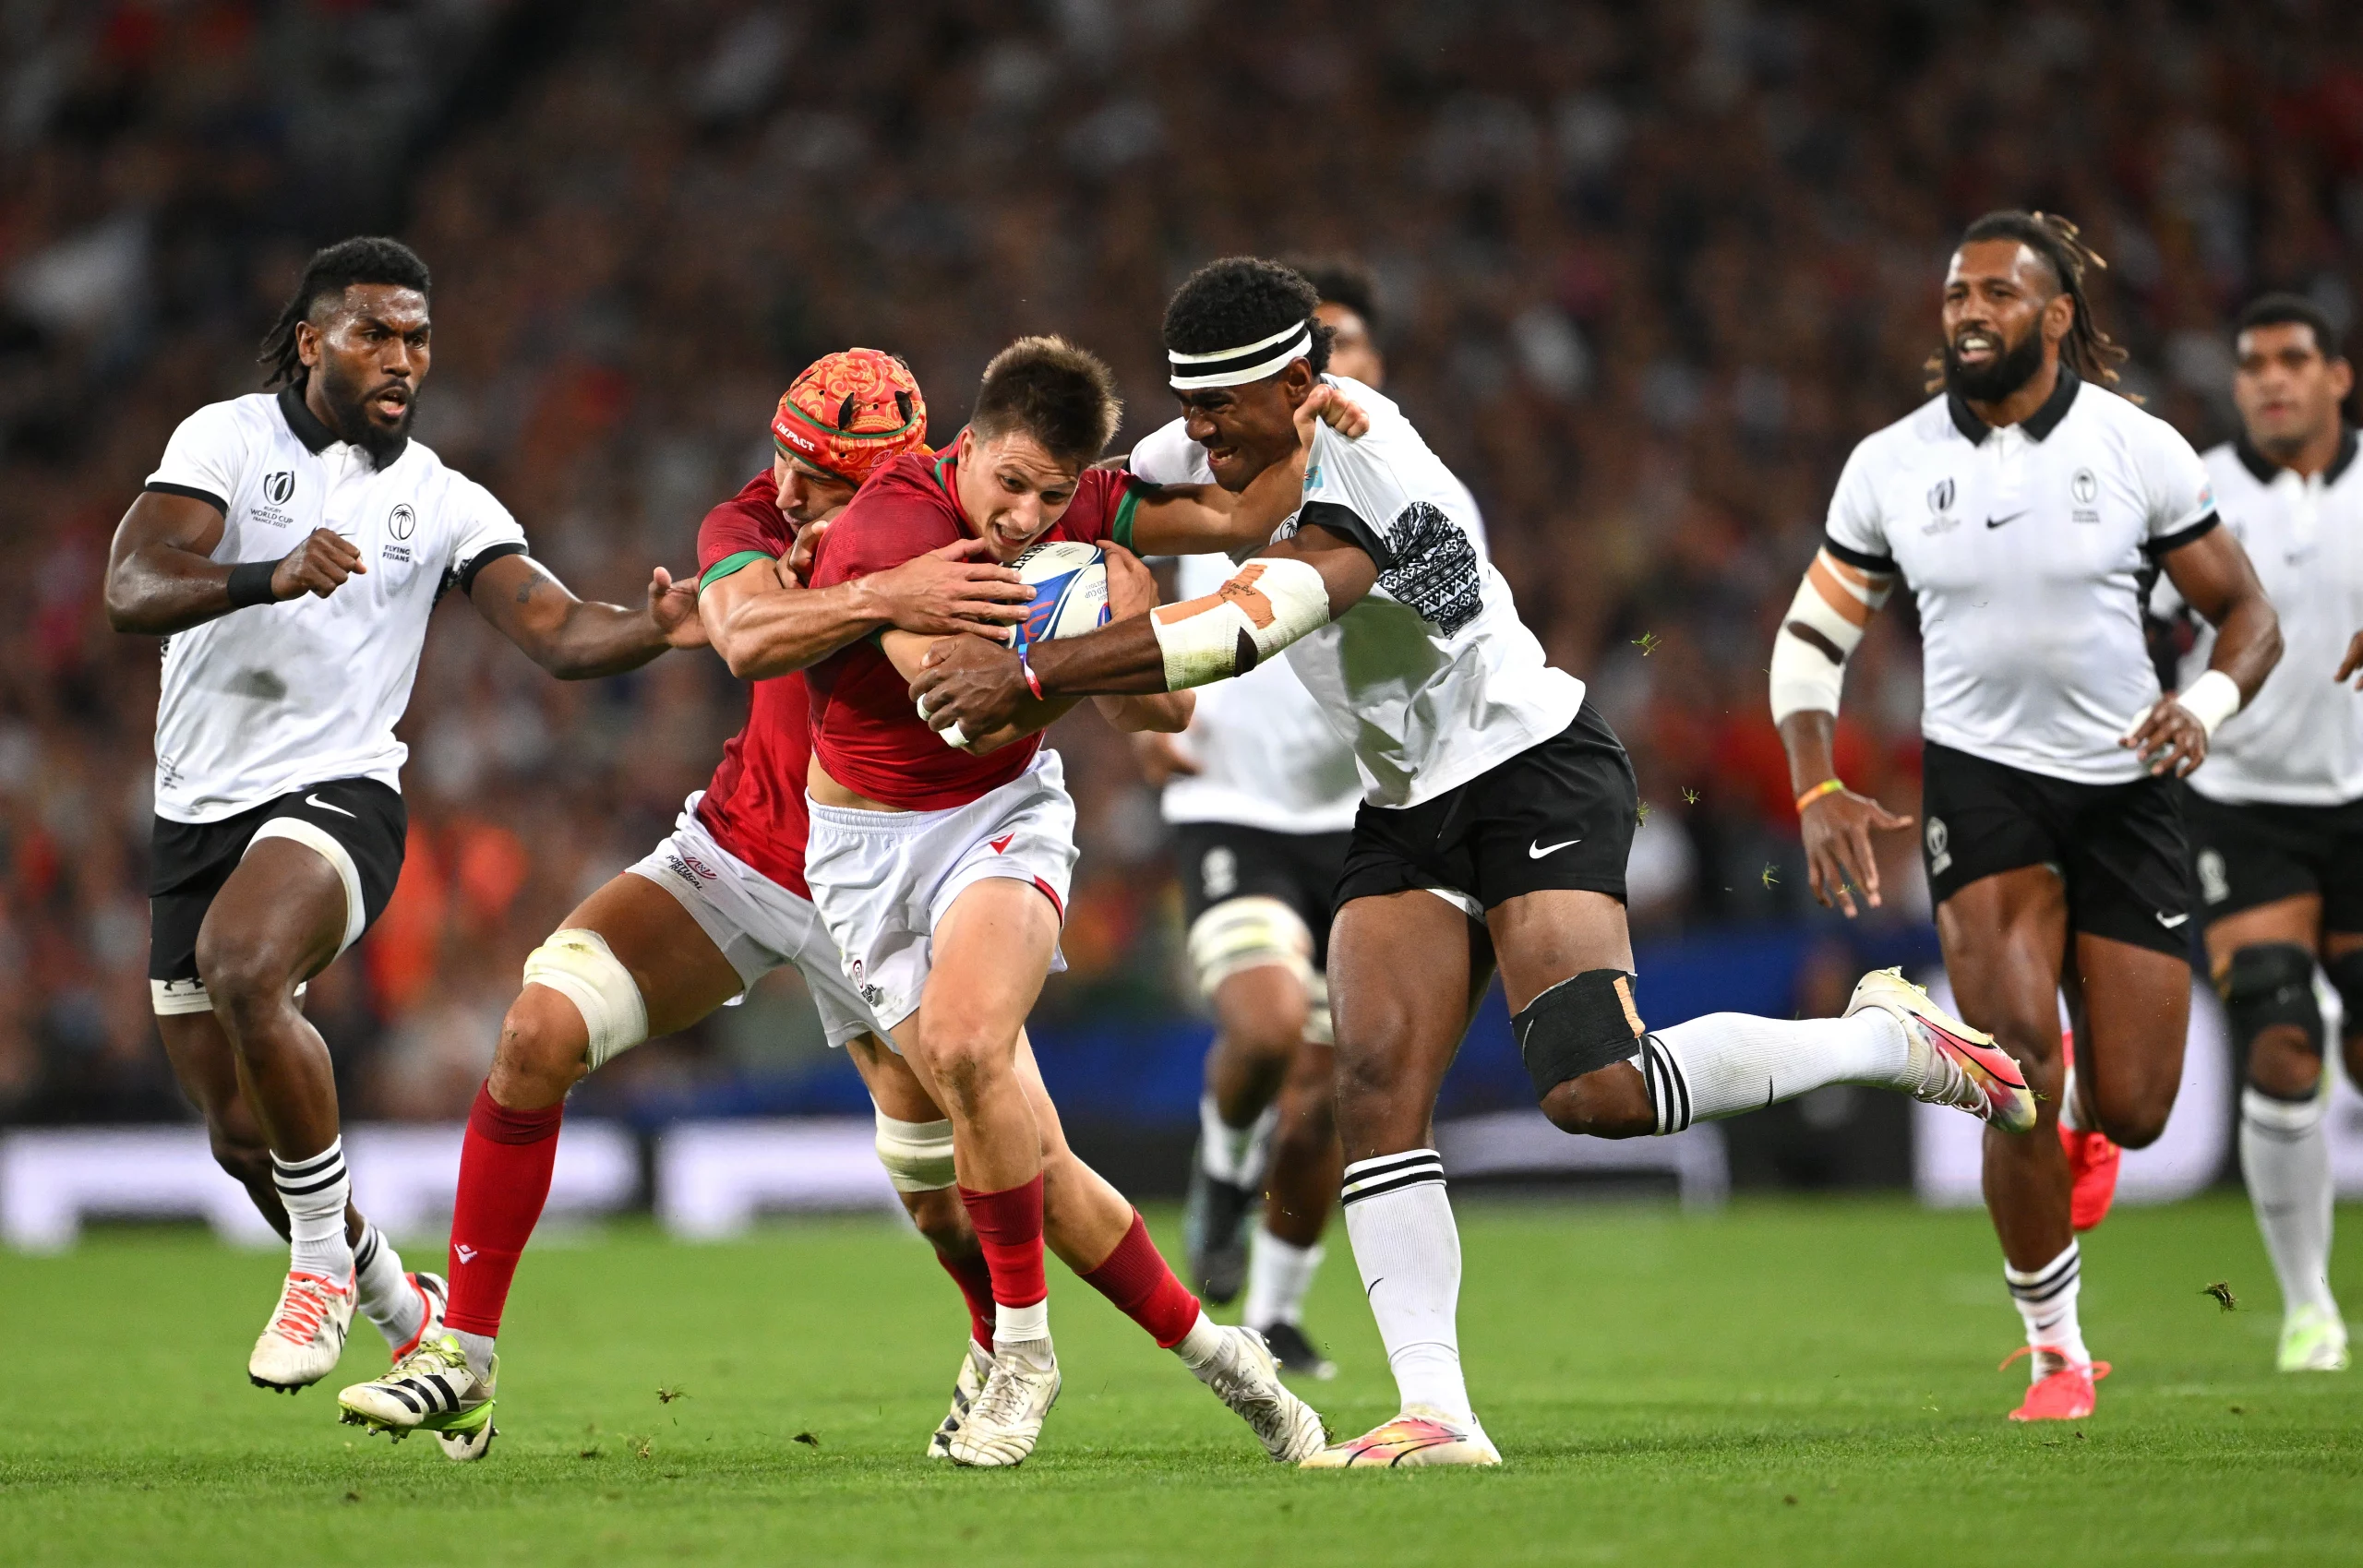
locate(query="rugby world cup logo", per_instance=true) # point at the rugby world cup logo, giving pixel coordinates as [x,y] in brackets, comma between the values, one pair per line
[1940,497]
[1940,858]
[277,487]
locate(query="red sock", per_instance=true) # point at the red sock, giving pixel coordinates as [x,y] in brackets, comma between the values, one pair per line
[504,1181]
[975,1278]
[1009,1228]
[1135,1277]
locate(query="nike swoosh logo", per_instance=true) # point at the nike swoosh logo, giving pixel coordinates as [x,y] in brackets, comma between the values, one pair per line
[2170,925]
[315,800]
[1997,522]
[1537,850]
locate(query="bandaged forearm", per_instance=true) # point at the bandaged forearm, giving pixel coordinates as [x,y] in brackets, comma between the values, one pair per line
[1823,627]
[1270,603]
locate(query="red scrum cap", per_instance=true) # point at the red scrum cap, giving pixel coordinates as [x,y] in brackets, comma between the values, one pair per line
[851,412]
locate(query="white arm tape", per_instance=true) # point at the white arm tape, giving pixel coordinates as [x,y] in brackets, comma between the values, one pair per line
[1270,602]
[1803,677]
[2212,698]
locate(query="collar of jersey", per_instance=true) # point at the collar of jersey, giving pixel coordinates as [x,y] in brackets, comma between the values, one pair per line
[2036,426]
[2267,471]
[317,438]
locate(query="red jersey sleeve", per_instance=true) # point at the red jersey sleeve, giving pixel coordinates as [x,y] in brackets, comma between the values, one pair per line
[742,528]
[1102,508]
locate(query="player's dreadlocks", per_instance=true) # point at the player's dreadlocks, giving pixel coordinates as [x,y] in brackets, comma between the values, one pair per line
[1240,300]
[2089,352]
[363,260]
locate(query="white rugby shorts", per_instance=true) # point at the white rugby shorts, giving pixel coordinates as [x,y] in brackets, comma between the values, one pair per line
[884,879]
[757,924]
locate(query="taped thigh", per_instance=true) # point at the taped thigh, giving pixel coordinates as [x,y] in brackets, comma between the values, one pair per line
[578,965]
[2269,984]
[1578,1026]
[916,1155]
[1240,934]
[318,839]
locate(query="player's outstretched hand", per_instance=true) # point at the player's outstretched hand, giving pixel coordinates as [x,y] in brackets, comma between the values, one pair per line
[1131,587]
[318,566]
[674,607]
[965,680]
[1837,830]
[946,592]
[2353,662]
[2169,739]
[1161,758]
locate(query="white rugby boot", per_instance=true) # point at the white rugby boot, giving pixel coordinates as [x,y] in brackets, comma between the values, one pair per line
[975,1368]
[1005,1421]
[1960,1066]
[432,1389]
[305,1335]
[1244,1376]
[2313,1339]
[1419,1436]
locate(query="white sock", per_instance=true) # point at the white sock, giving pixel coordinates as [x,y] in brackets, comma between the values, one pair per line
[1199,1347]
[1234,1153]
[1279,1274]
[316,1191]
[1013,1323]
[2071,1114]
[2047,1301]
[2286,1157]
[478,1348]
[386,1296]
[1400,1224]
[1729,1062]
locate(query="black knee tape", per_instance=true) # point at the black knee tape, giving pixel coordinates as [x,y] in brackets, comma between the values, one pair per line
[1578,1026]
[2268,984]
[2346,974]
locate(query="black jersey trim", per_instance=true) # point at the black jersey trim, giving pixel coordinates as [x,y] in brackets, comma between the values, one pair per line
[466,575]
[1347,523]
[2038,426]
[164,487]
[1861,560]
[2266,470]
[2158,549]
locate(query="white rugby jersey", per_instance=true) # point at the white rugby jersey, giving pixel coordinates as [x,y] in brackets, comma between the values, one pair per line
[273,697]
[2301,741]
[2029,548]
[1268,757]
[1436,678]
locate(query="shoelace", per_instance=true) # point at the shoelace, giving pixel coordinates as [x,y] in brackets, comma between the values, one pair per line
[303,1306]
[429,1359]
[1001,1402]
[2026,1350]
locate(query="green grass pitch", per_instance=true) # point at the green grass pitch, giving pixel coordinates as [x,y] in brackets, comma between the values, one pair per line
[1789,1381]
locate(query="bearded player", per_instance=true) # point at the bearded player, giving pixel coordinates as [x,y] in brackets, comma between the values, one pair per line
[1497,810]
[290,548]
[2276,816]
[942,872]
[2029,506]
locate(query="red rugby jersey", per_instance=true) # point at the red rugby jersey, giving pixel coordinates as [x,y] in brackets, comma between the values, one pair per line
[755,808]
[865,729]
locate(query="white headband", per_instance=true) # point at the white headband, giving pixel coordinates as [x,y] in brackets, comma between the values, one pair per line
[1236,367]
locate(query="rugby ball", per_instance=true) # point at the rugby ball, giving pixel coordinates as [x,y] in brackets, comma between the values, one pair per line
[1069,583]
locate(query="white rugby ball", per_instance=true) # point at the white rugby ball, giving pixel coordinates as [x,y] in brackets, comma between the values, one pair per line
[1069,583]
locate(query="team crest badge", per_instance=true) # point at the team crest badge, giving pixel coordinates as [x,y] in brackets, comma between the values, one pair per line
[2085,487]
[1939,837]
[401,522]
[2214,883]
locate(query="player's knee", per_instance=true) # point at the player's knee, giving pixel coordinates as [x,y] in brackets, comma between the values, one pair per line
[968,1066]
[575,968]
[917,1157]
[2268,991]
[2138,1124]
[1253,957]
[542,1052]
[1600,1103]
[245,983]
[1566,1035]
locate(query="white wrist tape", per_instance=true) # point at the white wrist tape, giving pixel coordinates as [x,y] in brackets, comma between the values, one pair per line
[2212,698]
[1832,606]
[1270,603]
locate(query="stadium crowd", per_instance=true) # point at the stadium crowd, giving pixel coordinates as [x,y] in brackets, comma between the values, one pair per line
[1644,275]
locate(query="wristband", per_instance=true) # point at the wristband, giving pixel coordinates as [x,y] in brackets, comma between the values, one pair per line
[250,583]
[2212,698]
[1827,786]
[1033,682]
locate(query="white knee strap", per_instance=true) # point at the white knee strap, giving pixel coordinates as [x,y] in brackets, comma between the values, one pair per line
[1317,1026]
[1247,933]
[916,1155]
[578,965]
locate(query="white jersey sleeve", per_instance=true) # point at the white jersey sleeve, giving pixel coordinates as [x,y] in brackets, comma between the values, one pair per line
[1857,521]
[480,527]
[2174,481]
[209,454]
[1168,456]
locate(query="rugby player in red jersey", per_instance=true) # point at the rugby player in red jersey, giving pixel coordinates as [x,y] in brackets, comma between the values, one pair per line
[942,869]
[722,901]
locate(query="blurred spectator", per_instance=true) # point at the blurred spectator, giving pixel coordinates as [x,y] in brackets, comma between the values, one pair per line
[1647,272]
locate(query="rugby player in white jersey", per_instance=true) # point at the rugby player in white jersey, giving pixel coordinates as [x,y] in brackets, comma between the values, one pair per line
[1497,813]
[1260,792]
[2276,816]
[289,547]
[2027,507]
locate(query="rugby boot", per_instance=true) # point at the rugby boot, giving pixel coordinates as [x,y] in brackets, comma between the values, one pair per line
[1296,1353]
[1005,1419]
[433,1389]
[1244,1376]
[2062,1390]
[305,1335]
[975,1367]
[2313,1339]
[1213,1233]
[1418,1436]
[1959,1066]
[2094,1158]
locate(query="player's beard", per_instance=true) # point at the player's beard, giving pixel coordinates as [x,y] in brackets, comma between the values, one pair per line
[349,416]
[1999,377]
